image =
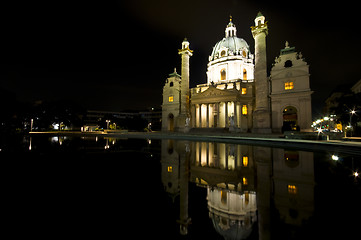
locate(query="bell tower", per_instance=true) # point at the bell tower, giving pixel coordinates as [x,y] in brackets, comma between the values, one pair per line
[261,114]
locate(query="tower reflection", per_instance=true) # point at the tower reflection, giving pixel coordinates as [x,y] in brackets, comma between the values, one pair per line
[241,181]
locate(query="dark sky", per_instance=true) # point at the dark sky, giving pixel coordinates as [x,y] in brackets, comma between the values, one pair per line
[116,55]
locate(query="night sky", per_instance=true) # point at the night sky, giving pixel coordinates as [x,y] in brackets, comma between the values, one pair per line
[116,55]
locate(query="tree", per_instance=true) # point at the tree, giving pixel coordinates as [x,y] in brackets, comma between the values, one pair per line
[347,103]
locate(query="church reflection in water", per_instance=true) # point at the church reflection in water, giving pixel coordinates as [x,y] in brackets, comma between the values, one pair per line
[242,183]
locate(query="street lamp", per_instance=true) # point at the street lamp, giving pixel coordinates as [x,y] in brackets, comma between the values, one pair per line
[352,112]
[31,124]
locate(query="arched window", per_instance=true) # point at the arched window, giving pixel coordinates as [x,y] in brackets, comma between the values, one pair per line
[223,74]
[223,197]
[171,84]
[244,74]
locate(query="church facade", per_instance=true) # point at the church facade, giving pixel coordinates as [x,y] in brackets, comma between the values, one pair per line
[238,95]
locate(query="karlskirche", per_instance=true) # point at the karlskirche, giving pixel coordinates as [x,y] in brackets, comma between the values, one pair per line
[238,95]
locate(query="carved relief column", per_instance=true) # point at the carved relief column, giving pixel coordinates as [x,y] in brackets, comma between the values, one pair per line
[193,111]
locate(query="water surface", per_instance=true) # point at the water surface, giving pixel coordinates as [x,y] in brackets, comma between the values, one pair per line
[59,186]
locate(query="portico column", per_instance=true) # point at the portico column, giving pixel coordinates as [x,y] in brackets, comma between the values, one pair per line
[226,114]
[218,115]
[235,114]
[207,118]
[200,115]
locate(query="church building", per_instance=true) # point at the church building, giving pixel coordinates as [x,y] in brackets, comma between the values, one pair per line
[238,95]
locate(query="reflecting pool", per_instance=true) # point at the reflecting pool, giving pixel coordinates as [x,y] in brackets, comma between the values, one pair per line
[59,186]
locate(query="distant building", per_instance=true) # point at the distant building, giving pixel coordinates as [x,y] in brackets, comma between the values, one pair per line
[106,119]
[357,87]
[238,95]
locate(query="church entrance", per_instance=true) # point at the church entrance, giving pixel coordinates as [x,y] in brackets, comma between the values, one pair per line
[170,122]
[290,119]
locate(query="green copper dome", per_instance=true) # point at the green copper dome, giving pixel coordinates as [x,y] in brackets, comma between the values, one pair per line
[233,46]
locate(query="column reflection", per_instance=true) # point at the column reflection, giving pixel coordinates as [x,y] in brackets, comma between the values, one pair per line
[243,183]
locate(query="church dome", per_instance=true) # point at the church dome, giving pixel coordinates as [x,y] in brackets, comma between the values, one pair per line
[231,46]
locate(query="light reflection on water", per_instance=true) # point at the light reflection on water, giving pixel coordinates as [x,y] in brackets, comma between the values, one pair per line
[240,182]
[218,190]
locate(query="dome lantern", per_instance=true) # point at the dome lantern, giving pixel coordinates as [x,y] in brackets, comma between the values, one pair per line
[231,28]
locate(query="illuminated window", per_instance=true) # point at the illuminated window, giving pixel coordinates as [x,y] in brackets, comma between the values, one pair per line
[245,161]
[244,74]
[245,181]
[246,198]
[223,197]
[244,53]
[288,85]
[223,74]
[170,169]
[292,189]
[170,99]
[244,109]
[223,53]
[244,91]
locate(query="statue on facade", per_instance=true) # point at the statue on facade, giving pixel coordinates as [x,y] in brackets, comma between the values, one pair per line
[231,121]
[187,122]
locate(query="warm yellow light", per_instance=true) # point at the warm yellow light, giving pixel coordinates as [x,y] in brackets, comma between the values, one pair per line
[223,74]
[170,99]
[223,197]
[292,189]
[170,169]
[245,181]
[288,85]
[244,109]
[245,161]
[244,91]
